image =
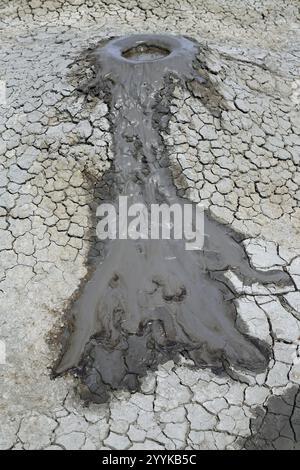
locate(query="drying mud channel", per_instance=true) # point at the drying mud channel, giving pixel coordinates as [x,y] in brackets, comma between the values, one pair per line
[153,345]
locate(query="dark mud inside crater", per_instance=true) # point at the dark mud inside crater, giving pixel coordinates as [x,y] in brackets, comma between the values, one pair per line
[149,300]
[145,53]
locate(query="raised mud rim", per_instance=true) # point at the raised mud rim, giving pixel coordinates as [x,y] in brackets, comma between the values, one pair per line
[169,46]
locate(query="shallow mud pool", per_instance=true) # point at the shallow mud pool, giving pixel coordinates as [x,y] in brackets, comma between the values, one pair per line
[144,344]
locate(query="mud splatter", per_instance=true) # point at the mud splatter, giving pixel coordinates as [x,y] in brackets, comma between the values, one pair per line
[148,300]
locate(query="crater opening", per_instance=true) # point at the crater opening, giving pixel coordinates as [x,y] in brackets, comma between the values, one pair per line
[145,52]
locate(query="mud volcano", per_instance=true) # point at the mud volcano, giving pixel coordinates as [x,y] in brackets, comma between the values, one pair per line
[149,300]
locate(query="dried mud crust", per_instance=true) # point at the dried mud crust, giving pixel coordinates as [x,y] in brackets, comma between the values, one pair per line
[243,162]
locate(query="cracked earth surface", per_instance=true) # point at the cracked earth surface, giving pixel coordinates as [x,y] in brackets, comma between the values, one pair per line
[242,162]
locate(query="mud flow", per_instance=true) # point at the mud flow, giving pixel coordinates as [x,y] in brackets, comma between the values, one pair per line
[150,300]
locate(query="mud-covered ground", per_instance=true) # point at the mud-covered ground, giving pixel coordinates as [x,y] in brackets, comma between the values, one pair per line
[241,160]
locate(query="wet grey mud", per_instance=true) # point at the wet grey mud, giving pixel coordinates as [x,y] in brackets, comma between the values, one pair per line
[149,300]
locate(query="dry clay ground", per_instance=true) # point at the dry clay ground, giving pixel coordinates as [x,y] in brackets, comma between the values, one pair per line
[244,166]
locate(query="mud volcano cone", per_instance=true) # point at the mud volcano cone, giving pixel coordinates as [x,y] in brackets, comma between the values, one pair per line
[150,300]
